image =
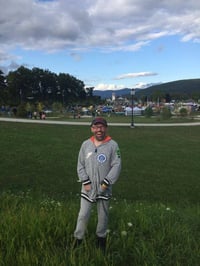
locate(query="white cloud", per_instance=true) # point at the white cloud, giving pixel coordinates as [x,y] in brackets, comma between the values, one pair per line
[109,26]
[136,75]
[5,56]
[125,24]
[102,87]
[140,85]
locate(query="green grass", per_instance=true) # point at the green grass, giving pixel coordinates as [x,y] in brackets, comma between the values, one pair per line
[154,214]
[113,118]
[159,164]
[39,232]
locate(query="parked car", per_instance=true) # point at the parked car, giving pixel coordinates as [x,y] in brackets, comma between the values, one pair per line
[47,111]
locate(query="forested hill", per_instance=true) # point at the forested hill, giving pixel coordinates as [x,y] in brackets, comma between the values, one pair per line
[188,88]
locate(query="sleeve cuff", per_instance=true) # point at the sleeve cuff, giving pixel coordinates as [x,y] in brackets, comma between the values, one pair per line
[106,182]
[86,182]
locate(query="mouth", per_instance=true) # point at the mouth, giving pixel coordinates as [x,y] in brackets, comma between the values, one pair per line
[99,135]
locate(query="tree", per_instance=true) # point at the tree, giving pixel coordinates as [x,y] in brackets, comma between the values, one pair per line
[3,88]
[38,85]
[167,98]
[57,106]
[89,91]
[63,83]
[49,88]
[158,95]
[19,85]
[40,107]
[37,78]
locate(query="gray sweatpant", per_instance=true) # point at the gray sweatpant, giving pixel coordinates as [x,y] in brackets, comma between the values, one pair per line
[84,215]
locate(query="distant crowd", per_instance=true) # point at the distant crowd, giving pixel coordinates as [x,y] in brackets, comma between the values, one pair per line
[36,115]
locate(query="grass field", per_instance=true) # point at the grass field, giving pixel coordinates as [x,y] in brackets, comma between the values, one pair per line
[155,211]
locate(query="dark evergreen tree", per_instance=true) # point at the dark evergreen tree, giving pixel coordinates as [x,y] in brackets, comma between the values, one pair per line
[3,89]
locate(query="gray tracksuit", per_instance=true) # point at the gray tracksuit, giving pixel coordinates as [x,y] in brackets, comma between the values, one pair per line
[97,165]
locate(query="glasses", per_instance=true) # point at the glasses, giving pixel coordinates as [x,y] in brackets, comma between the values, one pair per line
[98,127]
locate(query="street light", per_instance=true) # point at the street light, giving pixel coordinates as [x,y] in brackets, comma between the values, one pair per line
[132,94]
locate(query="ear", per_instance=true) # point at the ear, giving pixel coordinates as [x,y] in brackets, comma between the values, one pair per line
[92,130]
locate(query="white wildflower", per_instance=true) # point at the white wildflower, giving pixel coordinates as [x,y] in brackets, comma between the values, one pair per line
[59,204]
[123,233]
[130,224]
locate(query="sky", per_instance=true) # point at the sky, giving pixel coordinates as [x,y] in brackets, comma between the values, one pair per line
[107,44]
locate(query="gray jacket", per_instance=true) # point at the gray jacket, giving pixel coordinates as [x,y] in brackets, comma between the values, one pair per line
[98,165]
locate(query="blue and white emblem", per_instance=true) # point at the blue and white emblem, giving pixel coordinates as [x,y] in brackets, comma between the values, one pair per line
[101,158]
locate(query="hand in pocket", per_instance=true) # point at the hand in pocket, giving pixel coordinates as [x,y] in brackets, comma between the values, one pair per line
[87,187]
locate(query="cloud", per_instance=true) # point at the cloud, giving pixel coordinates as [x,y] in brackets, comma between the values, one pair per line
[4,56]
[140,85]
[52,25]
[109,26]
[103,86]
[7,61]
[10,67]
[136,75]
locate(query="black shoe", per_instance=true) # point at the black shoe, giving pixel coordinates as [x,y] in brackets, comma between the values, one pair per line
[101,243]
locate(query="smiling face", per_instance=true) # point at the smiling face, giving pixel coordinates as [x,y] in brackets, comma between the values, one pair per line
[99,131]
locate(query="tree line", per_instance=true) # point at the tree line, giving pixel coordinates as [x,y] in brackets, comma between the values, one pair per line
[37,85]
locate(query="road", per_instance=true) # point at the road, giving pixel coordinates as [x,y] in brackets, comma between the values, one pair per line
[78,122]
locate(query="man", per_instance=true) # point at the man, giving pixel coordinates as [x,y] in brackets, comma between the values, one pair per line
[98,168]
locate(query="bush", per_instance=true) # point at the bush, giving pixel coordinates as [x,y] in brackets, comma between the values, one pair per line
[148,112]
[183,112]
[21,110]
[165,113]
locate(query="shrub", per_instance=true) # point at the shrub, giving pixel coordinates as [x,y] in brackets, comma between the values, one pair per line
[183,112]
[21,110]
[148,112]
[165,113]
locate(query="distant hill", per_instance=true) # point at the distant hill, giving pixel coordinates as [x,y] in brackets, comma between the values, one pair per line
[187,88]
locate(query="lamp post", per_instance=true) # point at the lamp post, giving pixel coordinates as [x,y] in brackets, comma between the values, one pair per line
[132,94]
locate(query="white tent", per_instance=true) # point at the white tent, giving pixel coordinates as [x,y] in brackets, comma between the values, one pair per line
[136,111]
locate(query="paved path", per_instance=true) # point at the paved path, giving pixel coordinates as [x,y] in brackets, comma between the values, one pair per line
[78,122]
